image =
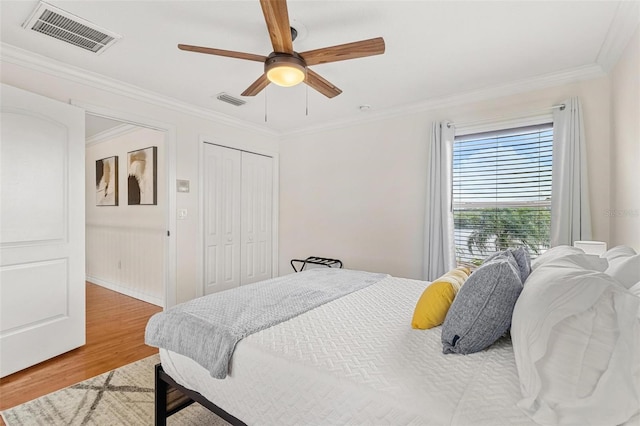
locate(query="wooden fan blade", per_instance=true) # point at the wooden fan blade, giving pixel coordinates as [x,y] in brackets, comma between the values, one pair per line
[220,52]
[357,49]
[257,86]
[277,18]
[321,85]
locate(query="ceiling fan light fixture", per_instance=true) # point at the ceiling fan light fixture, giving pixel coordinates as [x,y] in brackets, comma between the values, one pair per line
[286,67]
[285,70]
[285,75]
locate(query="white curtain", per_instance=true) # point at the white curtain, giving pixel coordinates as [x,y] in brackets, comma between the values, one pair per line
[439,247]
[570,212]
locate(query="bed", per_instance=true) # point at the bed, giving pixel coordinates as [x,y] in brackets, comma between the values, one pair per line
[353,360]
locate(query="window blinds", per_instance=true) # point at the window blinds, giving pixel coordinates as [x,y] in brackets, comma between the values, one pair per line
[502,191]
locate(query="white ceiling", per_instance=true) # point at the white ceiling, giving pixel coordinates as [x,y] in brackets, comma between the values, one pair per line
[434,49]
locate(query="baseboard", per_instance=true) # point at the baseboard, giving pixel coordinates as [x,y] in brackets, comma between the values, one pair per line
[126,291]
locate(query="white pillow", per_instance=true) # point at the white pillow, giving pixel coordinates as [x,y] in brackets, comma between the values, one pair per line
[618,251]
[625,269]
[635,290]
[575,339]
[580,261]
[553,253]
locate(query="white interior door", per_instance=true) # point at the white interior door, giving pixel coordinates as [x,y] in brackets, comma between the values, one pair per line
[257,215]
[222,180]
[42,285]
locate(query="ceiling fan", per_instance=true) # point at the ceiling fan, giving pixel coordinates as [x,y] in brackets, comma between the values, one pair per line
[286,67]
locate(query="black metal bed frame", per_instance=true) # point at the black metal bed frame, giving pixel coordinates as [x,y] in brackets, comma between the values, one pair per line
[170,397]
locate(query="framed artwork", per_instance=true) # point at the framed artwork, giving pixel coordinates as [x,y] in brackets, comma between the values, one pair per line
[142,181]
[107,181]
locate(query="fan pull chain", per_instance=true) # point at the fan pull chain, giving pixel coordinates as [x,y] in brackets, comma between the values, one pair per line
[306,92]
[265,103]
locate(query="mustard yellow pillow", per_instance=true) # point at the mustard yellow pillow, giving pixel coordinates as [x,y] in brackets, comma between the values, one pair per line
[436,299]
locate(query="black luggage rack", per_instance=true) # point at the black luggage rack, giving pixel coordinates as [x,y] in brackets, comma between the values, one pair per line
[330,263]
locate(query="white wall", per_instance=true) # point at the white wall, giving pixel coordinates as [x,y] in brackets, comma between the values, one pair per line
[355,193]
[188,128]
[624,208]
[125,244]
[358,193]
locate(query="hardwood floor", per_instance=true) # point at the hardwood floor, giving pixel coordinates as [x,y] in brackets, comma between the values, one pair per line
[115,337]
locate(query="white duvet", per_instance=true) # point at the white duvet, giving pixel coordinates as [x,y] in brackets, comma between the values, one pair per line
[357,360]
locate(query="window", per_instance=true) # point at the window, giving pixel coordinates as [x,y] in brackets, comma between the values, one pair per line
[502,191]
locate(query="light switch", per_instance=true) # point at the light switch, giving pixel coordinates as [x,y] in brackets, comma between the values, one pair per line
[182,213]
[182,185]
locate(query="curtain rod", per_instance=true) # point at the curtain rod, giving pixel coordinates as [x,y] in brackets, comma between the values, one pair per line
[489,120]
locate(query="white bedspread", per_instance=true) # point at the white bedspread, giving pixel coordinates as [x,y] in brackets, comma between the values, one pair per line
[357,360]
[208,328]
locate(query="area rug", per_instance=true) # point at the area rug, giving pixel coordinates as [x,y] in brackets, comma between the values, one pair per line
[123,396]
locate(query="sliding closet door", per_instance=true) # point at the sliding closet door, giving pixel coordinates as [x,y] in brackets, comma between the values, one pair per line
[257,215]
[222,180]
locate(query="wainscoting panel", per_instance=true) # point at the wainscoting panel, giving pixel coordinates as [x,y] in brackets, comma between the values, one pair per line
[129,260]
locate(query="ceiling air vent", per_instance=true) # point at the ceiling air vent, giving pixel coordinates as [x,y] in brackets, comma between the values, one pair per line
[57,23]
[224,97]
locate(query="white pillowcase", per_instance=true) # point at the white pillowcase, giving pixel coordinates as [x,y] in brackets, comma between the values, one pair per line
[624,265]
[576,340]
[554,253]
[618,251]
[625,270]
[571,259]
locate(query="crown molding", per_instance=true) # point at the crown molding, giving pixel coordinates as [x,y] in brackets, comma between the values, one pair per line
[36,62]
[111,133]
[21,57]
[586,72]
[622,28]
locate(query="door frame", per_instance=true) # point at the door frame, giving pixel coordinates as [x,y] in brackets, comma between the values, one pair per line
[204,139]
[170,259]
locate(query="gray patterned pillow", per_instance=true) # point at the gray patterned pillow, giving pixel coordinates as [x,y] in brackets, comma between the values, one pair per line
[522,258]
[481,312]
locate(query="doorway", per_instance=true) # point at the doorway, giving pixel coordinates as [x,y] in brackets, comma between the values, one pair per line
[129,238]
